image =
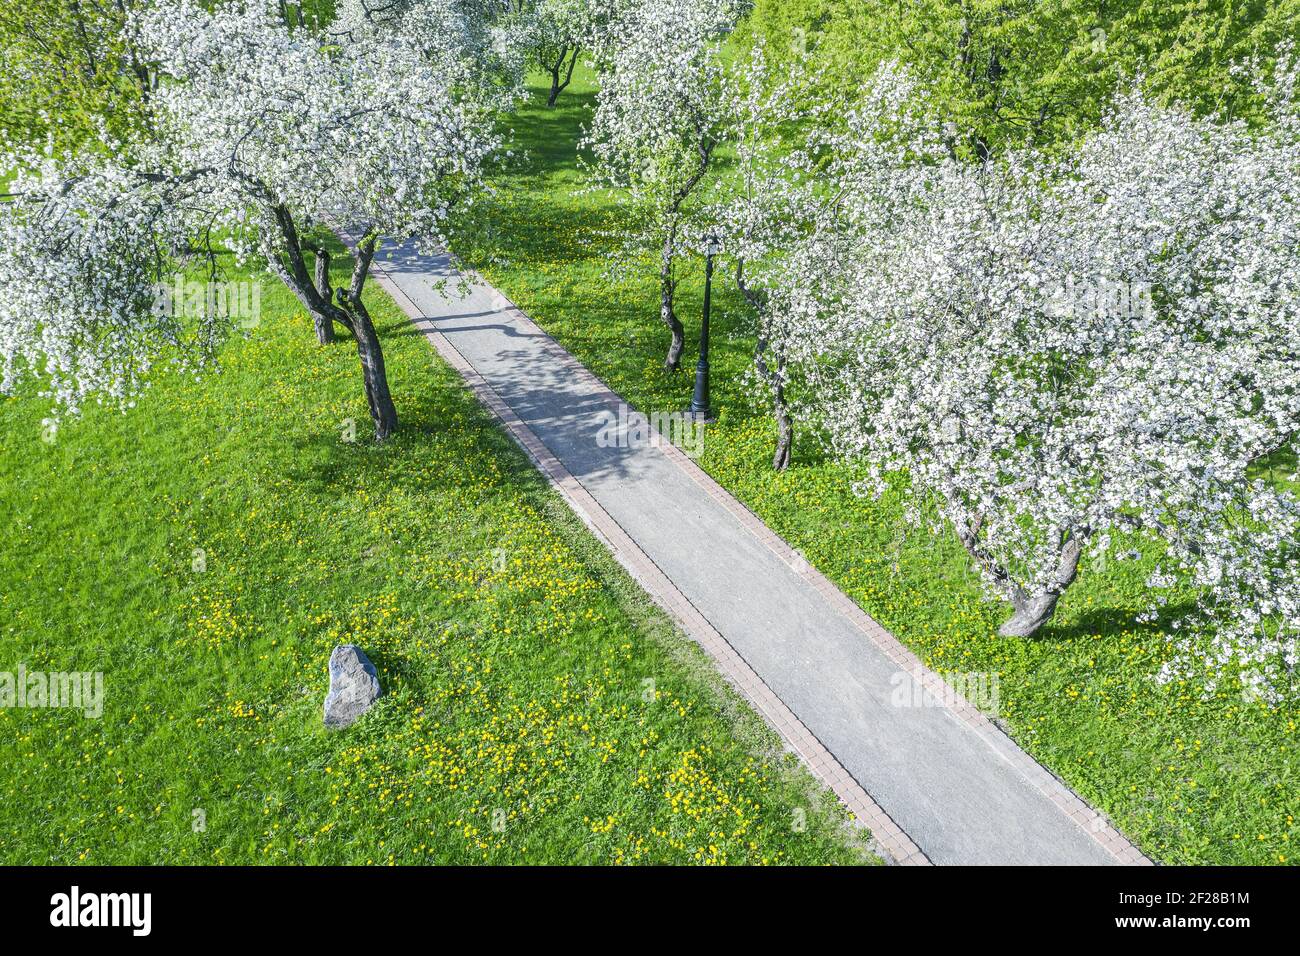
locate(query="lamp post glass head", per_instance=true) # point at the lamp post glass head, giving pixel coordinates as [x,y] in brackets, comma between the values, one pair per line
[712,245]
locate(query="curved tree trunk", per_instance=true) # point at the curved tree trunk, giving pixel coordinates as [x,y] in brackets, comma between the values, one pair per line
[1031,609]
[373,372]
[558,85]
[1031,613]
[667,280]
[667,292]
[315,298]
[345,307]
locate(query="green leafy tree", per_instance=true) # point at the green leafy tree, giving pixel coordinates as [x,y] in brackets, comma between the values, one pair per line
[70,73]
[1007,72]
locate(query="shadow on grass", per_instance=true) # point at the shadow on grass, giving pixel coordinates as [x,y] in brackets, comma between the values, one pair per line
[1109,621]
[429,419]
[549,134]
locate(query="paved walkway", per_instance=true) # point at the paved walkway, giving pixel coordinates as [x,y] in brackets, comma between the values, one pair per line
[933,779]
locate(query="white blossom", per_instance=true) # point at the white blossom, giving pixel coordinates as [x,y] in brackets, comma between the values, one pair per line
[263,133]
[1061,352]
[662,111]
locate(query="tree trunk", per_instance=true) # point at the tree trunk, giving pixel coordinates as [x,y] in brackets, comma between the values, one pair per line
[667,281]
[316,306]
[1031,609]
[324,324]
[315,296]
[775,380]
[667,292]
[558,85]
[673,360]
[784,433]
[348,311]
[324,329]
[373,372]
[1030,615]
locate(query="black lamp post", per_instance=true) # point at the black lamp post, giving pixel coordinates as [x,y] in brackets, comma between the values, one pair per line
[700,400]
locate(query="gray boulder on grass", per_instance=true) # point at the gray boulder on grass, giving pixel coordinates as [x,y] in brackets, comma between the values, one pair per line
[354,685]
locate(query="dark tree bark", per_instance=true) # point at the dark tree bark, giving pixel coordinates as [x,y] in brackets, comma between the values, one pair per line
[668,255]
[784,432]
[667,312]
[315,296]
[1031,609]
[373,372]
[324,324]
[344,307]
[557,67]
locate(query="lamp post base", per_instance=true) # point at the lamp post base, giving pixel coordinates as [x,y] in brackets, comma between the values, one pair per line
[699,409]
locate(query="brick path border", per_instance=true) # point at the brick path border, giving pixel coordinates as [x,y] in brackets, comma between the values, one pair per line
[891,839]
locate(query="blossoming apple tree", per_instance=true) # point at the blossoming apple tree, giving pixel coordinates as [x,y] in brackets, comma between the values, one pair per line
[769,205]
[1074,354]
[558,29]
[265,134]
[661,113]
[477,46]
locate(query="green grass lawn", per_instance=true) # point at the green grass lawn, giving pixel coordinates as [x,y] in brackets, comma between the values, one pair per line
[537,708]
[1191,779]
